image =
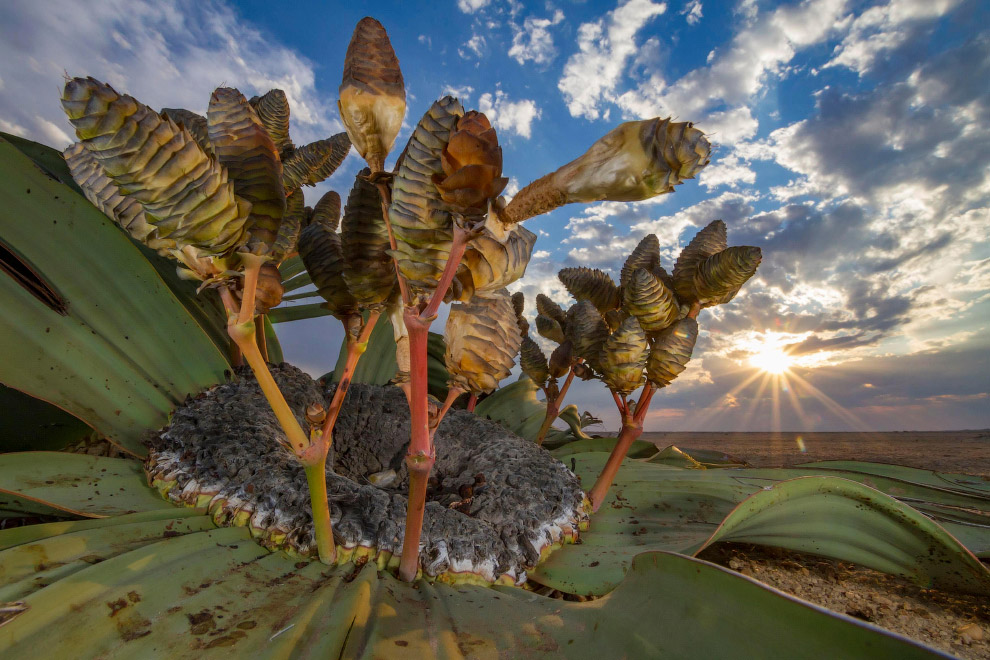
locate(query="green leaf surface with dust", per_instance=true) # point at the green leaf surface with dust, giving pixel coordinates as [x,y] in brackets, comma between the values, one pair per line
[109,342]
[60,483]
[215,592]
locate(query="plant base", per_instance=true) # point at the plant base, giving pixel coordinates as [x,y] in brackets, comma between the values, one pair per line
[496,508]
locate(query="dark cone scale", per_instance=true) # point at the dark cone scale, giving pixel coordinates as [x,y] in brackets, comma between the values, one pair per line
[549,328]
[323,257]
[194,123]
[645,255]
[706,242]
[587,331]
[221,452]
[368,269]
[420,220]
[292,222]
[519,306]
[624,357]
[591,284]
[533,362]
[244,147]
[550,309]
[671,352]
[273,111]
[103,193]
[185,193]
[649,300]
[327,211]
[560,360]
[314,162]
[720,276]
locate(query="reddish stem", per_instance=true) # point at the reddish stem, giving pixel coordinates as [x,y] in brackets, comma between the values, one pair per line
[472,402]
[355,349]
[386,195]
[420,456]
[632,428]
[457,248]
[452,395]
[553,408]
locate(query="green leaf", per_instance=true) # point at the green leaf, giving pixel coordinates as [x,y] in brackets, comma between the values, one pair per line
[58,483]
[297,282]
[28,423]
[198,591]
[697,458]
[638,449]
[272,342]
[845,520]
[291,267]
[285,314]
[377,366]
[125,351]
[515,407]
[966,483]
[48,559]
[657,507]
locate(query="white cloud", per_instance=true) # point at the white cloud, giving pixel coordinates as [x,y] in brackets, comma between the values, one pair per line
[604,46]
[692,10]
[533,41]
[512,116]
[462,93]
[728,171]
[541,254]
[476,44]
[471,6]
[880,29]
[164,54]
[737,73]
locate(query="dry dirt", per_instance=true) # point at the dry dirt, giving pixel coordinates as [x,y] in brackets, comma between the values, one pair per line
[946,451]
[958,624]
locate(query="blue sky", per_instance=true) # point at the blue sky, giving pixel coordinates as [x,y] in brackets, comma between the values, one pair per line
[851,144]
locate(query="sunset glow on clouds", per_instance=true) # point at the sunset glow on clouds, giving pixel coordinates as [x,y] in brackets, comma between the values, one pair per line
[851,143]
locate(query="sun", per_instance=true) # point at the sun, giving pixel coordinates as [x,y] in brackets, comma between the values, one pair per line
[771,359]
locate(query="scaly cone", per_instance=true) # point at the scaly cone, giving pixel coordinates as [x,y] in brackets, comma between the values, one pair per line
[593,285]
[637,160]
[708,241]
[372,94]
[186,195]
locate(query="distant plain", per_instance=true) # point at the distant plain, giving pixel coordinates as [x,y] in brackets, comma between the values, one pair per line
[944,451]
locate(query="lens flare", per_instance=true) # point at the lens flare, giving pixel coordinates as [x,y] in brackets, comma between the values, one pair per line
[771,359]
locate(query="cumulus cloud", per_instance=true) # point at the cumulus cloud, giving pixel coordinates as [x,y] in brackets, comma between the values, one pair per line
[604,46]
[472,6]
[533,42]
[476,45]
[166,55]
[512,116]
[737,73]
[882,28]
[692,12]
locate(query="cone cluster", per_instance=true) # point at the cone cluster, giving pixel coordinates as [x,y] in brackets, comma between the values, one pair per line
[199,188]
[643,329]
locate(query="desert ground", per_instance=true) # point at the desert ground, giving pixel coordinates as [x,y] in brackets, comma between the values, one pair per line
[945,451]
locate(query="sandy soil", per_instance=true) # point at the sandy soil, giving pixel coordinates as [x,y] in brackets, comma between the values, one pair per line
[946,451]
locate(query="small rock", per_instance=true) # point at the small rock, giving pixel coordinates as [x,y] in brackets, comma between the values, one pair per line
[735,564]
[970,633]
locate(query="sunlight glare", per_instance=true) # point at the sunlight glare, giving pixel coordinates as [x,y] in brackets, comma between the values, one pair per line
[771,359]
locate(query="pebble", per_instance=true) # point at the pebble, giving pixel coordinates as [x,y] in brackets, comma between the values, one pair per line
[970,633]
